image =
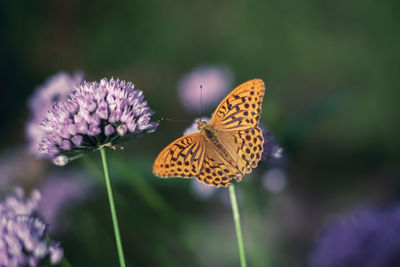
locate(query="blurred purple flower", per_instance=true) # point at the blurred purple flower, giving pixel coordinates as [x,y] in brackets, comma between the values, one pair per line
[367,238]
[271,148]
[18,166]
[17,203]
[201,190]
[56,89]
[95,115]
[60,192]
[23,239]
[275,180]
[215,81]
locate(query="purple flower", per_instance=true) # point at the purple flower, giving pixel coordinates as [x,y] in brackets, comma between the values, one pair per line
[215,81]
[95,115]
[275,180]
[17,204]
[23,239]
[60,192]
[271,148]
[201,190]
[367,238]
[56,89]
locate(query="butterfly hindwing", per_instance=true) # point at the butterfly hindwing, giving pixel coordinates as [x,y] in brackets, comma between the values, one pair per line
[245,146]
[215,170]
[183,157]
[241,108]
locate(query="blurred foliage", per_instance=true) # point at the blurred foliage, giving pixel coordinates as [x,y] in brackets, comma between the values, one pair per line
[331,70]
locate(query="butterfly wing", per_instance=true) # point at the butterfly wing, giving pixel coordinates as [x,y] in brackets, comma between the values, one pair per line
[241,108]
[217,171]
[235,121]
[245,147]
[183,157]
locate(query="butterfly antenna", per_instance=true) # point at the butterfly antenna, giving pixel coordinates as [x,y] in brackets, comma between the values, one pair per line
[167,119]
[201,100]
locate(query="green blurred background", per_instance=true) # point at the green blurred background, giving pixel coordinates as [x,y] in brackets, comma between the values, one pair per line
[331,71]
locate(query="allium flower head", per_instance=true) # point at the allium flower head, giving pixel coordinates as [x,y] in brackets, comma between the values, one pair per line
[367,238]
[23,237]
[215,81]
[95,114]
[56,89]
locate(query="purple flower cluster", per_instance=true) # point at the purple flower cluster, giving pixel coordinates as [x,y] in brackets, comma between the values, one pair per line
[367,238]
[56,89]
[95,114]
[22,236]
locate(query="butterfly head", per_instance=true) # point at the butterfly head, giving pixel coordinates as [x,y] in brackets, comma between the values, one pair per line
[201,124]
[206,130]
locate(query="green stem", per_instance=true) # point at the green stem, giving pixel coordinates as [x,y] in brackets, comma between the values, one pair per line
[112,208]
[236,219]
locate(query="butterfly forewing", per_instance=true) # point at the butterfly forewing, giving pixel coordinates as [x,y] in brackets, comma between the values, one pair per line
[183,157]
[241,108]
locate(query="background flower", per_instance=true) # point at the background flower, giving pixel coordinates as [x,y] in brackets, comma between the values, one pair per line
[56,89]
[95,114]
[23,239]
[275,180]
[201,190]
[367,237]
[272,150]
[18,166]
[60,192]
[216,82]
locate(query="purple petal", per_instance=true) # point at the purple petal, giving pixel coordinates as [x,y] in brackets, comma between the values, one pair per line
[108,130]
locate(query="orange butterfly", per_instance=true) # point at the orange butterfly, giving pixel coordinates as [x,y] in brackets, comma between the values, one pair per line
[227,148]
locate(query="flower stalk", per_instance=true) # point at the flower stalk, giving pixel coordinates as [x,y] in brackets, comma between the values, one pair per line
[112,208]
[236,219]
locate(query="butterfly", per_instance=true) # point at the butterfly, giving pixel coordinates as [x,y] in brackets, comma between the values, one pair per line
[224,150]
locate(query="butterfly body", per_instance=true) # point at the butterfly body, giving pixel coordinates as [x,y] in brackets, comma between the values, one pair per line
[226,148]
[211,135]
